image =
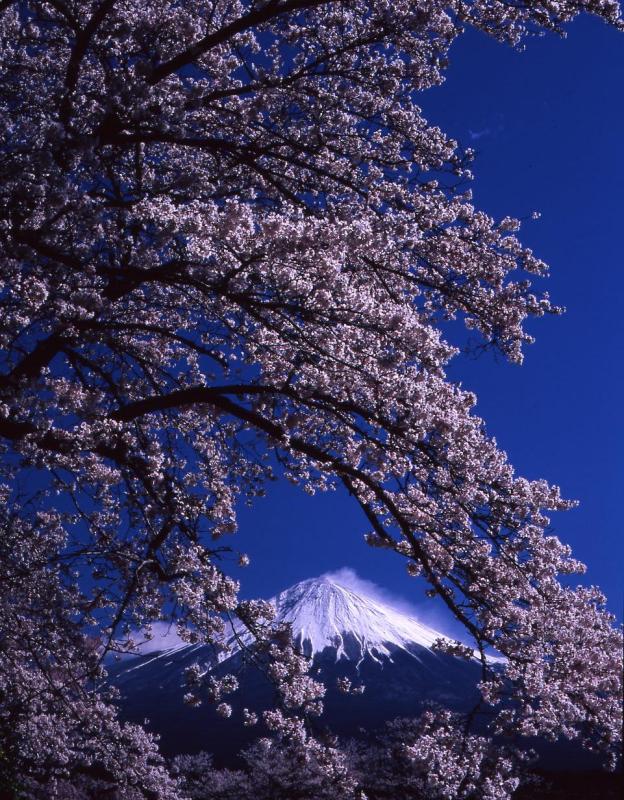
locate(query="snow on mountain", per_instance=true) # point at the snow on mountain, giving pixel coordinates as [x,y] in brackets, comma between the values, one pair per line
[324,614]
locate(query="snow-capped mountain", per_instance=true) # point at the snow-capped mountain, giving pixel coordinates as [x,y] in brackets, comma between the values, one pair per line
[347,633]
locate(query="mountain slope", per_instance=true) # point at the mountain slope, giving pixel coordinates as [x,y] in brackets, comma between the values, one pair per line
[346,633]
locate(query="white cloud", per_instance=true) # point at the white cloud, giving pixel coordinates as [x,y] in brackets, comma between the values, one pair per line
[427,612]
[348,577]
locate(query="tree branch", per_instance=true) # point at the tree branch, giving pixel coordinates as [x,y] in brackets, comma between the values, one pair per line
[270,11]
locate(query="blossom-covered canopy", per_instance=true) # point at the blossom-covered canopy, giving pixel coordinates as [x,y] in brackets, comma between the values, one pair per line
[229,246]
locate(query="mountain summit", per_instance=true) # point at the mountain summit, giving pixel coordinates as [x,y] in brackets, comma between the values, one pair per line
[326,614]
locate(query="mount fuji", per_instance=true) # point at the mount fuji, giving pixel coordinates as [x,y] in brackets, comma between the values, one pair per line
[346,633]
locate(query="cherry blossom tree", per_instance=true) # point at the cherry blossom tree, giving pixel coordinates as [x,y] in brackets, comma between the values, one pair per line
[58,737]
[409,760]
[229,240]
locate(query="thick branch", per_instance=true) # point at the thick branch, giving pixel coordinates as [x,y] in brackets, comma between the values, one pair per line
[82,43]
[270,11]
[32,364]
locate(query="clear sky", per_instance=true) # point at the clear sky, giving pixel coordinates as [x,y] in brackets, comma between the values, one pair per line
[548,127]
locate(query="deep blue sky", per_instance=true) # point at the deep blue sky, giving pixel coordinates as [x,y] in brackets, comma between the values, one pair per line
[548,125]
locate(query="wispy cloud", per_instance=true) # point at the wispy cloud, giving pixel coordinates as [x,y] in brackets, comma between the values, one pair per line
[496,125]
[476,135]
[425,612]
[348,577]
